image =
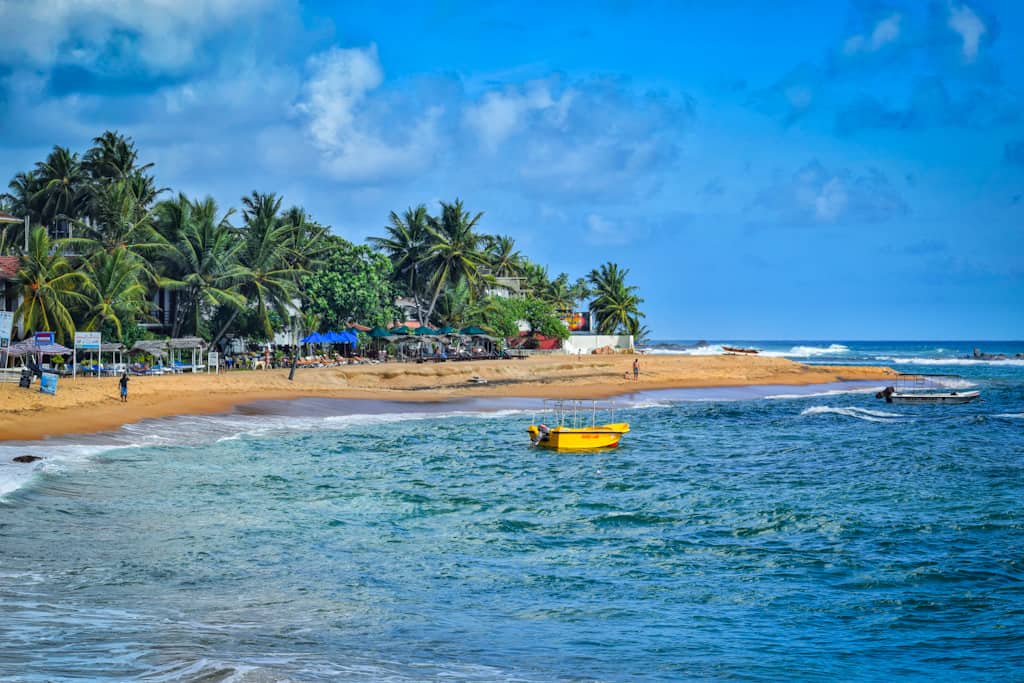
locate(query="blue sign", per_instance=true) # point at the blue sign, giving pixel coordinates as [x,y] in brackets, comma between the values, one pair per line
[48,384]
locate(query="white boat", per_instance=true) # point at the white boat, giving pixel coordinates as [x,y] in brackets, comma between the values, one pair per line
[931,397]
[916,389]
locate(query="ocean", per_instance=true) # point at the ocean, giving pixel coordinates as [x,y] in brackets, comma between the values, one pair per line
[755,533]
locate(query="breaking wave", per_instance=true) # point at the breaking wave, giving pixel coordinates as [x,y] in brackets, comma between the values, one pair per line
[853,411]
[808,351]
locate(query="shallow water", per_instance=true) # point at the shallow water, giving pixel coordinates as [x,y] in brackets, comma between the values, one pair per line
[736,534]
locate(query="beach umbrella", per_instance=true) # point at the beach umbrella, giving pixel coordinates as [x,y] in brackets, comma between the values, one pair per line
[447,329]
[424,331]
[472,330]
[379,332]
[315,338]
[400,330]
[335,337]
[349,337]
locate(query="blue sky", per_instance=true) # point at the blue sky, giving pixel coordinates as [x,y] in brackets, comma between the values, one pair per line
[788,170]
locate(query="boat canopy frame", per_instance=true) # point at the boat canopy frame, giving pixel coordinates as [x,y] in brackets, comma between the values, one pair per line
[578,409]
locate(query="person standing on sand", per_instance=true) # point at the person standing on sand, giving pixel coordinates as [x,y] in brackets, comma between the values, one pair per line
[124,387]
[636,369]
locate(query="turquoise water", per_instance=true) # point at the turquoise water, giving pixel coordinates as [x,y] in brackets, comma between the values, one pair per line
[744,533]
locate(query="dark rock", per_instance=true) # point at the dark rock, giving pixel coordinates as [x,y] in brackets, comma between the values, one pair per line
[26,458]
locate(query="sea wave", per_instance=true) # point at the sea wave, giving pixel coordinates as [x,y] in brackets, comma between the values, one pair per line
[808,351]
[830,392]
[853,411]
[914,360]
[62,454]
[676,350]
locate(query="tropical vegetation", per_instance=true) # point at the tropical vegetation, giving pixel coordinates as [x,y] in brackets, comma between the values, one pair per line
[110,250]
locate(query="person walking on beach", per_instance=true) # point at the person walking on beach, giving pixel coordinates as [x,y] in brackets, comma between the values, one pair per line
[124,387]
[636,369]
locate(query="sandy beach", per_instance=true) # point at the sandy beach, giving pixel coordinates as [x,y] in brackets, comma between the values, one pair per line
[89,404]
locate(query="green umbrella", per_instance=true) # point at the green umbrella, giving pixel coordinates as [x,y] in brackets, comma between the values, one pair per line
[379,332]
[473,329]
[400,330]
[447,329]
[424,331]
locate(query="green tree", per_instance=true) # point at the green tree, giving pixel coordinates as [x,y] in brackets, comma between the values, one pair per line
[64,187]
[113,291]
[406,245]
[267,280]
[201,264]
[501,316]
[49,287]
[454,249]
[502,257]
[616,305]
[353,284]
[113,157]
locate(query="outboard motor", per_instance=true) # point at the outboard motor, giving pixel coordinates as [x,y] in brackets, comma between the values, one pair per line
[886,394]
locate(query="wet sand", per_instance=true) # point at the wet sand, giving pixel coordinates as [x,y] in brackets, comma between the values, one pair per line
[89,404]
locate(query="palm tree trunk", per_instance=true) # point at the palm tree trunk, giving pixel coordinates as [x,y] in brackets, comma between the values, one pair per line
[433,302]
[224,329]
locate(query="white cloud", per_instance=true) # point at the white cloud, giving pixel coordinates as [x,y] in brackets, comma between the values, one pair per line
[601,231]
[970,27]
[349,128]
[886,31]
[816,194]
[500,114]
[161,34]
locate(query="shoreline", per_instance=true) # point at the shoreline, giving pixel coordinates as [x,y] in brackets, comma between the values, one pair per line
[89,405]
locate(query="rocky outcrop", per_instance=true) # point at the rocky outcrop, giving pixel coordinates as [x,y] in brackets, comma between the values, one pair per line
[26,458]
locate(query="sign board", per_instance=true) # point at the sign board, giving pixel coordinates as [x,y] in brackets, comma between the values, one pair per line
[577,321]
[6,325]
[87,341]
[213,361]
[43,338]
[48,384]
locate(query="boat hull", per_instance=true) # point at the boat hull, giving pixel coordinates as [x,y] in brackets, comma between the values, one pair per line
[948,398]
[582,439]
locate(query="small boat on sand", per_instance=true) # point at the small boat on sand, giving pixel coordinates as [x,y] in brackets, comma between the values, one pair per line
[736,349]
[576,426]
[920,389]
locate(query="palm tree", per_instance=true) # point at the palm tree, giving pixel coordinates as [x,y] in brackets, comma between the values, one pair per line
[49,286]
[122,223]
[64,188]
[201,265]
[456,307]
[502,257]
[454,250]
[113,290]
[24,187]
[306,240]
[559,294]
[616,305]
[266,277]
[406,246]
[113,157]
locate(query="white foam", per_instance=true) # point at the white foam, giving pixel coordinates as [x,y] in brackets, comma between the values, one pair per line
[830,392]
[852,411]
[1018,362]
[1016,416]
[712,350]
[808,351]
[56,458]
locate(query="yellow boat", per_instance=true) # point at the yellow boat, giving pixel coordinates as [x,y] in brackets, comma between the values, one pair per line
[576,427]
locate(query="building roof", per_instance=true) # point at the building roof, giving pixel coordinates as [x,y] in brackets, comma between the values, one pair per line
[9,266]
[8,218]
